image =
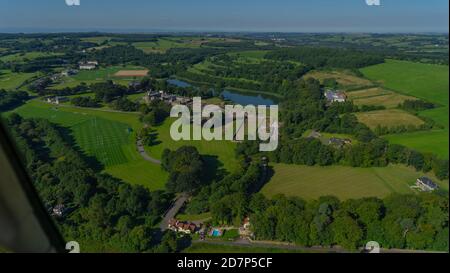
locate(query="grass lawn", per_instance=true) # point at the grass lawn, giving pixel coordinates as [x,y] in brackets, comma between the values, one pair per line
[105,136]
[10,81]
[341,181]
[218,248]
[216,152]
[425,81]
[388,118]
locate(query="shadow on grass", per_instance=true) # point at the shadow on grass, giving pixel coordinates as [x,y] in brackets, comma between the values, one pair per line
[92,161]
[214,169]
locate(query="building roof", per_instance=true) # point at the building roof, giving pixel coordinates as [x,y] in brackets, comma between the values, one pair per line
[427,181]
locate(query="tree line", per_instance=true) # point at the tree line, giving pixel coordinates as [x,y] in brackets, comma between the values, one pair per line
[104,213]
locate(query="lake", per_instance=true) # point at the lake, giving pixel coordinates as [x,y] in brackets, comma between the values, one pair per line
[238,97]
[245,98]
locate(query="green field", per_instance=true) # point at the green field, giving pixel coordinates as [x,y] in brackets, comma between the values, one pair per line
[163,44]
[377,96]
[388,118]
[20,57]
[221,152]
[343,182]
[10,81]
[106,136]
[425,81]
[94,76]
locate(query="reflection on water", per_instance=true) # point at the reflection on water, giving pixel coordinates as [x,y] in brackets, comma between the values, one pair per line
[238,97]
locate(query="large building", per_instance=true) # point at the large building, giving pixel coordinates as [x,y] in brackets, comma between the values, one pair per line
[89,65]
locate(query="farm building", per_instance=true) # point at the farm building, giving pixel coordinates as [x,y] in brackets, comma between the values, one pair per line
[426,184]
[335,96]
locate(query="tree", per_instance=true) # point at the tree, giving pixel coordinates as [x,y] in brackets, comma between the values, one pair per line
[347,232]
[185,167]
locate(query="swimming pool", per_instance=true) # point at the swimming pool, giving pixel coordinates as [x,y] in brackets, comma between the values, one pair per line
[216,232]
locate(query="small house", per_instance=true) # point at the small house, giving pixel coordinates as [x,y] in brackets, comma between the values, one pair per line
[182,227]
[59,210]
[335,96]
[426,184]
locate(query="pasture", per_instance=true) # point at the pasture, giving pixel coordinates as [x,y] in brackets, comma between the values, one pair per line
[377,96]
[21,57]
[425,81]
[11,81]
[164,44]
[106,136]
[345,79]
[98,75]
[388,118]
[343,182]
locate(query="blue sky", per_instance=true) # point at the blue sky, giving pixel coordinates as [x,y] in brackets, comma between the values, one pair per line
[225,15]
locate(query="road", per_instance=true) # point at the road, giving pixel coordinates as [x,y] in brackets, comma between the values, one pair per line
[143,153]
[170,214]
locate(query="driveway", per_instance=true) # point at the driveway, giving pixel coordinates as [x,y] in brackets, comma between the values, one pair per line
[170,214]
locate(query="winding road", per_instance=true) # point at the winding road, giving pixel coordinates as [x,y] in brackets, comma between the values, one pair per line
[143,153]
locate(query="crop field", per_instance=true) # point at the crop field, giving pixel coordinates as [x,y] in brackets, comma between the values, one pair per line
[343,182]
[377,96]
[425,81]
[10,81]
[99,75]
[345,79]
[131,73]
[108,136]
[388,118]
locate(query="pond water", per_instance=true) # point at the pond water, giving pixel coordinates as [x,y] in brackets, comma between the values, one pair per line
[247,98]
[178,83]
[238,97]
